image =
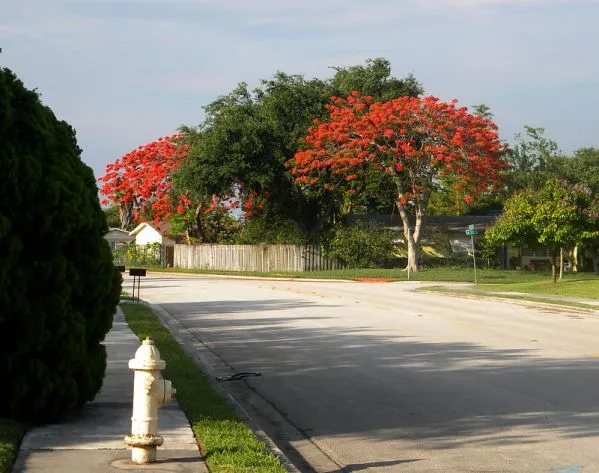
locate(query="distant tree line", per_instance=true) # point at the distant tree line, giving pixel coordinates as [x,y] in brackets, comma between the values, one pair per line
[292,160]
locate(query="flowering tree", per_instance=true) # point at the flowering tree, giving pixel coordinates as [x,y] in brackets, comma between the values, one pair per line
[417,142]
[139,182]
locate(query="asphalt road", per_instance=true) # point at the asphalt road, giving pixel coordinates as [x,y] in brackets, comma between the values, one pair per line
[380,378]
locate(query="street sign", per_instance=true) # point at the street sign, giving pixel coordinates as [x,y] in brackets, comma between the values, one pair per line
[471,232]
[471,227]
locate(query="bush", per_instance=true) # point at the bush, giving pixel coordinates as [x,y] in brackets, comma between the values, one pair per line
[58,286]
[131,254]
[363,245]
[270,231]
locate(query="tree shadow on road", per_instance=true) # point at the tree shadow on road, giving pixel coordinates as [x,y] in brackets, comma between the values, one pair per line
[361,382]
[442,392]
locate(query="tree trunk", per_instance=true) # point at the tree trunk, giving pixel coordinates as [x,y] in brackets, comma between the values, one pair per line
[412,265]
[199,223]
[322,220]
[553,267]
[411,235]
[420,206]
[126,214]
[561,264]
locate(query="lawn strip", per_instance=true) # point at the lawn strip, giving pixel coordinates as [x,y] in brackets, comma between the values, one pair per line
[228,445]
[487,276]
[495,295]
[11,434]
[572,286]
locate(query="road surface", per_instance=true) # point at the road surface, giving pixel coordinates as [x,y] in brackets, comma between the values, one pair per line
[381,378]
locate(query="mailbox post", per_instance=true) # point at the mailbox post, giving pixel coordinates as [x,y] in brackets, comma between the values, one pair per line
[137,273]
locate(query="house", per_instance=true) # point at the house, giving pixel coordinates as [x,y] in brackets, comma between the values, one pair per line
[160,232]
[117,237]
[444,235]
[146,233]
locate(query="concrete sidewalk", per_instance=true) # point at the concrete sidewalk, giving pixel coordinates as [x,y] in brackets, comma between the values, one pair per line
[93,439]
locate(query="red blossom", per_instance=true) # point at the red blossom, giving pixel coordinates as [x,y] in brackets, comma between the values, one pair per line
[142,177]
[412,139]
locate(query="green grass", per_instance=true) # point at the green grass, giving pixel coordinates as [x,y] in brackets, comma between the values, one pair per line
[228,445]
[477,292]
[426,274]
[580,285]
[574,285]
[11,433]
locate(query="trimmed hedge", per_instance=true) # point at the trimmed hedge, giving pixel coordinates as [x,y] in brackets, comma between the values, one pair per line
[58,286]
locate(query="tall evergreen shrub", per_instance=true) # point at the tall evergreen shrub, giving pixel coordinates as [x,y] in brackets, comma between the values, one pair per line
[58,286]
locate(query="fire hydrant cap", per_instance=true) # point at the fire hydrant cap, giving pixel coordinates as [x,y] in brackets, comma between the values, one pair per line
[147,357]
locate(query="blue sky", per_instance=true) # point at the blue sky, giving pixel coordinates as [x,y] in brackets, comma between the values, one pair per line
[126,72]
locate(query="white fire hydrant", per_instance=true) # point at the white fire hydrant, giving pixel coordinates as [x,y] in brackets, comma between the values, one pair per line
[150,391]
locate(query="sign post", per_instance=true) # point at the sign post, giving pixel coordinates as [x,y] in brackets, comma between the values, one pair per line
[472,231]
[409,232]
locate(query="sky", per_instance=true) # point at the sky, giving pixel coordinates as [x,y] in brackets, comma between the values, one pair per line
[125,72]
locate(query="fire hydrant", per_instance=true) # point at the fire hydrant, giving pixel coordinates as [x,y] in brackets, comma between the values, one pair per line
[150,391]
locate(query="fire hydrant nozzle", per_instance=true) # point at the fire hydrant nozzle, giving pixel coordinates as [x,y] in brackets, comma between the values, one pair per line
[150,391]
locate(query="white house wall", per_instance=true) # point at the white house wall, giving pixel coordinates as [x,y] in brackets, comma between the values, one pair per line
[148,235]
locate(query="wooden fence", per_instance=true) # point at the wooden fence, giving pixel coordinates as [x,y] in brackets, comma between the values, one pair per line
[262,258]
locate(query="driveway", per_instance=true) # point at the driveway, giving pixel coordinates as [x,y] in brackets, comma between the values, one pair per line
[380,378]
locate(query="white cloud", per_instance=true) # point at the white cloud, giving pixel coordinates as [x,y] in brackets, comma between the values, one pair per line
[124,74]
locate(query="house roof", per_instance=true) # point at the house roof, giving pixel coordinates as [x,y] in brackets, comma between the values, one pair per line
[164,228]
[118,234]
[453,223]
[118,231]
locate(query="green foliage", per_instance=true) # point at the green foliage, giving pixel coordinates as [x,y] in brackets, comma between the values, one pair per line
[557,216]
[515,224]
[216,226]
[248,136]
[483,110]
[529,158]
[221,227]
[581,168]
[374,79]
[362,245]
[11,433]
[113,217]
[58,286]
[131,254]
[270,230]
